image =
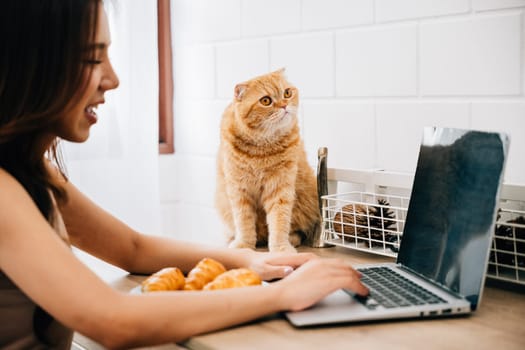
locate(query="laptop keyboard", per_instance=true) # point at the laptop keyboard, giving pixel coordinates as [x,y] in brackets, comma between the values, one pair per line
[390,289]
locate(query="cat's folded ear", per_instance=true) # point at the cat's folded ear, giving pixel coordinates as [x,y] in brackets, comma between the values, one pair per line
[239,91]
[281,72]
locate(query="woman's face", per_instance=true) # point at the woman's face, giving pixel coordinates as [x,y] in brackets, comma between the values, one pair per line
[81,112]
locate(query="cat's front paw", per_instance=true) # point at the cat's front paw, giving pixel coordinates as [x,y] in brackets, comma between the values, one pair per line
[237,243]
[283,248]
[295,239]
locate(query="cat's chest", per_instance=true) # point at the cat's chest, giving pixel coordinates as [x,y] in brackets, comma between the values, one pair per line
[262,165]
[256,162]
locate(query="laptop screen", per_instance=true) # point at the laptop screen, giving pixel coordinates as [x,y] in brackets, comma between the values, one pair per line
[452,209]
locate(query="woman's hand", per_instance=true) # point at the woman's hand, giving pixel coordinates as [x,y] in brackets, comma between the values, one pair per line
[314,280]
[272,266]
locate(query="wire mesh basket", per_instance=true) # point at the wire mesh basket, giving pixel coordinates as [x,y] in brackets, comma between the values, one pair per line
[507,254]
[374,223]
[364,221]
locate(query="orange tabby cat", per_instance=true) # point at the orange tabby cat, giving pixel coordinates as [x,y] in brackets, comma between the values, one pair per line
[266,190]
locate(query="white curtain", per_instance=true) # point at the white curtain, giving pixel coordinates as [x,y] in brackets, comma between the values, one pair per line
[118,166]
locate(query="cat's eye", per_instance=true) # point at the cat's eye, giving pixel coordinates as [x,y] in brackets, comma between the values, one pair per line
[288,93]
[266,100]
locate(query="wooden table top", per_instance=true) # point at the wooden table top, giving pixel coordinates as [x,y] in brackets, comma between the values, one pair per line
[499,323]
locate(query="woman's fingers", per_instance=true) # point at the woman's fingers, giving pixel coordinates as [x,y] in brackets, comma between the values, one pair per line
[293,260]
[276,272]
[317,278]
[359,287]
[344,275]
[272,266]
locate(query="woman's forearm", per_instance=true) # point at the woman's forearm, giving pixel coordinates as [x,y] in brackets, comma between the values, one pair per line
[173,317]
[154,253]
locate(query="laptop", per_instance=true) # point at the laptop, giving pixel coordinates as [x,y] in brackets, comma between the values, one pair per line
[442,261]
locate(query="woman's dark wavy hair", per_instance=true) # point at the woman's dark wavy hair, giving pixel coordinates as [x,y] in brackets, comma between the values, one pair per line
[43,48]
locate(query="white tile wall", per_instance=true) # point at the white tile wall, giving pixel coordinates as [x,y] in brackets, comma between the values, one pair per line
[371,74]
[377,61]
[270,17]
[398,149]
[390,10]
[308,60]
[345,128]
[199,76]
[239,61]
[472,56]
[193,223]
[336,13]
[206,20]
[197,131]
[480,5]
[508,117]
[195,177]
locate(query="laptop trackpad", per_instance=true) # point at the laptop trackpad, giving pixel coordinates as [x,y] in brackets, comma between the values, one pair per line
[336,307]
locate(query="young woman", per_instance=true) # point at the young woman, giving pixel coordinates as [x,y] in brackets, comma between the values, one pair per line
[54,71]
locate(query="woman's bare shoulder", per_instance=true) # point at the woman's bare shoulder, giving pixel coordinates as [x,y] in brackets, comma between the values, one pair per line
[13,192]
[8,181]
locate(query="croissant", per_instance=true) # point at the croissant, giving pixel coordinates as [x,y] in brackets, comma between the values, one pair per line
[205,271]
[169,278]
[241,277]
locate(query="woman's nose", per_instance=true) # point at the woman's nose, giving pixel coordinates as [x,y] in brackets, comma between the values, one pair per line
[110,80]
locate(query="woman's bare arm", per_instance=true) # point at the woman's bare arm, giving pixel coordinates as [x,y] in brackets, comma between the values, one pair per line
[97,232]
[43,266]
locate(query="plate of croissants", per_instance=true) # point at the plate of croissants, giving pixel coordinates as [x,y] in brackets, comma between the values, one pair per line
[208,274]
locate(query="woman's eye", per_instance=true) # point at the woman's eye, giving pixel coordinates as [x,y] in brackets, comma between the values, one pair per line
[287,93]
[93,61]
[266,100]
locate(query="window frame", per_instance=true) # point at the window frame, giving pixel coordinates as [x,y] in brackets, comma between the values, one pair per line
[166,142]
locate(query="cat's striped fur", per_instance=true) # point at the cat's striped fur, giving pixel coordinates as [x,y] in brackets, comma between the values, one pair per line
[266,190]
